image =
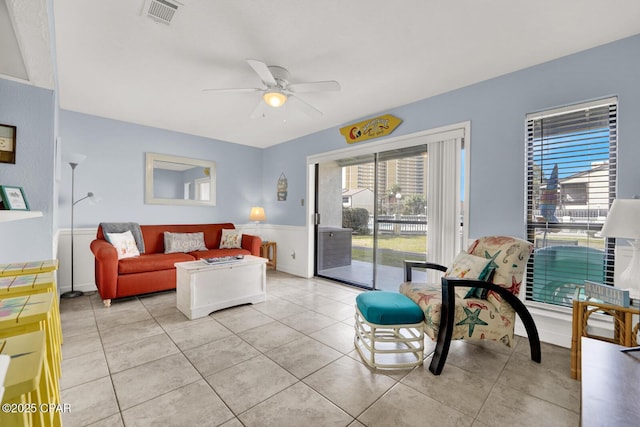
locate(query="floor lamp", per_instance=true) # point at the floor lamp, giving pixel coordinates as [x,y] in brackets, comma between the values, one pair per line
[74,161]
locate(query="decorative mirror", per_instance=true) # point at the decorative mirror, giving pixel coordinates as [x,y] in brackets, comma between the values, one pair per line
[174,180]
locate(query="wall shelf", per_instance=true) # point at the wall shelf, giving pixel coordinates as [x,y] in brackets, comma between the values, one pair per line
[17,215]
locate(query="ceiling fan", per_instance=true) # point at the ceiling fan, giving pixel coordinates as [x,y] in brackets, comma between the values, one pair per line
[277,90]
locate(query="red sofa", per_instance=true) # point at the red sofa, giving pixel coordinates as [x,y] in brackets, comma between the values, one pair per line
[154,270]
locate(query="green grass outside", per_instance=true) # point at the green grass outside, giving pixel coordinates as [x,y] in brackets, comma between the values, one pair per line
[392,249]
[405,243]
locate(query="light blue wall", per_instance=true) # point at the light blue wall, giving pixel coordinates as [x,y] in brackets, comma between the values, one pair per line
[497,110]
[115,170]
[31,110]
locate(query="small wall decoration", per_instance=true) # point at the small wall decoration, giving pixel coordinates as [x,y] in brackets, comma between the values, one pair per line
[13,198]
[282,187]
[7,144]
[372,128]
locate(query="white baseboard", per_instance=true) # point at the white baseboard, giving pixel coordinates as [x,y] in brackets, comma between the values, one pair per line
[293,269]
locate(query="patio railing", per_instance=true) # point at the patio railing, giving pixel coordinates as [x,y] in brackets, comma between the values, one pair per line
[400,224]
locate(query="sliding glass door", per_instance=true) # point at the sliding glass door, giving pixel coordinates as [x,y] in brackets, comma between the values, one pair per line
[376,207]
[372,216]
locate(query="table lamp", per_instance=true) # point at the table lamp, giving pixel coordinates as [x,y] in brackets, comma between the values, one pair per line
[623,221]
[257,215]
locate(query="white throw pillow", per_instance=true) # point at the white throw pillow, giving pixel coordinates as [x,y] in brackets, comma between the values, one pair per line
[183,242]
[124,243]
[231,239]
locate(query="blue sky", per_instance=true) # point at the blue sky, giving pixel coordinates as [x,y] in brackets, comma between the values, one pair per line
[573,153]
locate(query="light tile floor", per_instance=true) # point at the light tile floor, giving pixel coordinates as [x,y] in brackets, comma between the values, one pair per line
[289,361]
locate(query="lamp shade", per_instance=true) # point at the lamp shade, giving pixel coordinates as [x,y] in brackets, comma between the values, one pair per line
[623,219]
[74,158]
[275,98]
[257,214]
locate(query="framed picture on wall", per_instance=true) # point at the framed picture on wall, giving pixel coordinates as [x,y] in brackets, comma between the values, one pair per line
[7,144]
[13,198]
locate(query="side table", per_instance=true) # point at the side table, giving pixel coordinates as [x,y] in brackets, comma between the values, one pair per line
[269,250]
[624,331]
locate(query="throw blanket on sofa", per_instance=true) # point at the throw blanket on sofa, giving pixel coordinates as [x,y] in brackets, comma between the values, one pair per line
[121,227]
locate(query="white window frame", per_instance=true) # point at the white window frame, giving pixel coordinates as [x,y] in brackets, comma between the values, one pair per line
[532,225]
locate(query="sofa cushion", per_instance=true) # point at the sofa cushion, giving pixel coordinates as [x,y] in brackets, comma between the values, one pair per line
[124,243]
[230,239]
[151,262]
[183,242]
[120,227]
[154,234]
[388,308]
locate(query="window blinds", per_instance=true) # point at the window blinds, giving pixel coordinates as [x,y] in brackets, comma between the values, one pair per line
[571,182]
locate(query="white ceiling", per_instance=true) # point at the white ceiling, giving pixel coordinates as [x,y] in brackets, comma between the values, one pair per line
[113,62]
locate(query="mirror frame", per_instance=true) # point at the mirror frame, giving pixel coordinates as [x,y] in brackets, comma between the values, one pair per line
[149,198]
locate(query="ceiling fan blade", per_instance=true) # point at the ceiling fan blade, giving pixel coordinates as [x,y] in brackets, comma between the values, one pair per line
[236,90]
[260,110]
[308,109]
[327,86]
[263,71]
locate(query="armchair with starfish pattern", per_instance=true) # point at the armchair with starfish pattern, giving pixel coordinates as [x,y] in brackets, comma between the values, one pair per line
[477,298]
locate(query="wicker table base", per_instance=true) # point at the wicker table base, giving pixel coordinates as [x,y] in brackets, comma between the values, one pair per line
[625,333]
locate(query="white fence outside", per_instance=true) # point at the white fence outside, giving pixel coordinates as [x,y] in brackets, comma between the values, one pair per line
[400,224]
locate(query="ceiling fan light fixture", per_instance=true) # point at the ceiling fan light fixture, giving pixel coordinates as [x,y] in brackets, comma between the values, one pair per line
[274,98]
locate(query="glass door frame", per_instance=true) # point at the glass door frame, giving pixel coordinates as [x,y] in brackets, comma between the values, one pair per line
[377,264]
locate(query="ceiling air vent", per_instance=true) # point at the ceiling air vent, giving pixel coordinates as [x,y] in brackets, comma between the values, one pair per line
[160,10]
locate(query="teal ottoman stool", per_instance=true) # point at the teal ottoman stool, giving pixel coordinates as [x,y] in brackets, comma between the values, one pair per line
[389,330]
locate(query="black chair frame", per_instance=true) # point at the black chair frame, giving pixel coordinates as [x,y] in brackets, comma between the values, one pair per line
[447,312]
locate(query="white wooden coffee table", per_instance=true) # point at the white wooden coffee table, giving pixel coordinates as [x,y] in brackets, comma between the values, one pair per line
[203,288]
